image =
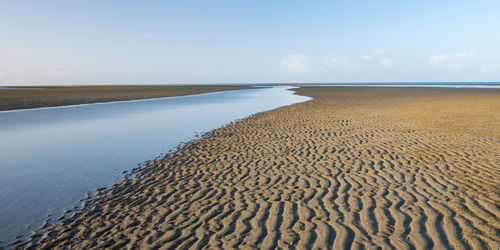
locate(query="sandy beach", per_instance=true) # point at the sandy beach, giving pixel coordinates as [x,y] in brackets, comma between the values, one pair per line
[412,168]
[49,96]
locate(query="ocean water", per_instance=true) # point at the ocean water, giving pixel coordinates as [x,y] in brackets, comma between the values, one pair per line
[51,157]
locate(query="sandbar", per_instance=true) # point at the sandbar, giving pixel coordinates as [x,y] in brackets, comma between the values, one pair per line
[353,168]
[50,96]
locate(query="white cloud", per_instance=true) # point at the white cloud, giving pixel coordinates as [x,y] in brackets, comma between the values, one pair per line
[386,62]
[366,57]
[438,58]
[301,64]
[491,67]
[453,61]
[378,52]
[296,64]
[334,62]
[328,64]
[379,56]
[469,63]
[407,68]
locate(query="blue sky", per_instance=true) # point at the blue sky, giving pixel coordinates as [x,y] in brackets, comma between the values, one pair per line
[244,41]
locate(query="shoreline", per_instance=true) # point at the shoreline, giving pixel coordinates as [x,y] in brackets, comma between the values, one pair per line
[156,126]
[20,98]
[28,97]
[120,101]
[302,173]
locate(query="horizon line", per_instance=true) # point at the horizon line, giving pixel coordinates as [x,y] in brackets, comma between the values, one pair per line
[248,83]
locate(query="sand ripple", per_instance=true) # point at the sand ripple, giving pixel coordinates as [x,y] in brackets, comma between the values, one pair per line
[355,168]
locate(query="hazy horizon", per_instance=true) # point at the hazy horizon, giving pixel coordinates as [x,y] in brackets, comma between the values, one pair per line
[243,42]
[257,83]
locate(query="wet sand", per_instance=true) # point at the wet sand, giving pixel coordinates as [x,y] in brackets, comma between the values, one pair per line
[49,96]
[355,167]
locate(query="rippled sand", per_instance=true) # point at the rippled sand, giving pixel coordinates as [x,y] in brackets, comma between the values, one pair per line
[390,168]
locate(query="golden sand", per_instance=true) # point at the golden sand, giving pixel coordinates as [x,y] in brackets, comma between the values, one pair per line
[390,168]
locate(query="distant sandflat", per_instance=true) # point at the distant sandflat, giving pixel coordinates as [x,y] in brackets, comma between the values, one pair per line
[49,96]
[389,168]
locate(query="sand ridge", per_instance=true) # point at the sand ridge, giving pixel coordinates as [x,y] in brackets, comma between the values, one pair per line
[354,168]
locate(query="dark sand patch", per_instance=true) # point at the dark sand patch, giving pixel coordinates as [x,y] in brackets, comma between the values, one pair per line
[49,96]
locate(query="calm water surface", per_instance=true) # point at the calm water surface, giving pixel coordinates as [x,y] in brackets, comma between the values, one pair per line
[51,157]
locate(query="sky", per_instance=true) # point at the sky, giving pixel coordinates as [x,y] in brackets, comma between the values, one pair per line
[248,41]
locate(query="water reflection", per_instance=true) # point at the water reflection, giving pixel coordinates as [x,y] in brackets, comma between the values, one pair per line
[50,157]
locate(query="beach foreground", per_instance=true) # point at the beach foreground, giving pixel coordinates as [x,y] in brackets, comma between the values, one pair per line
[355,167]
